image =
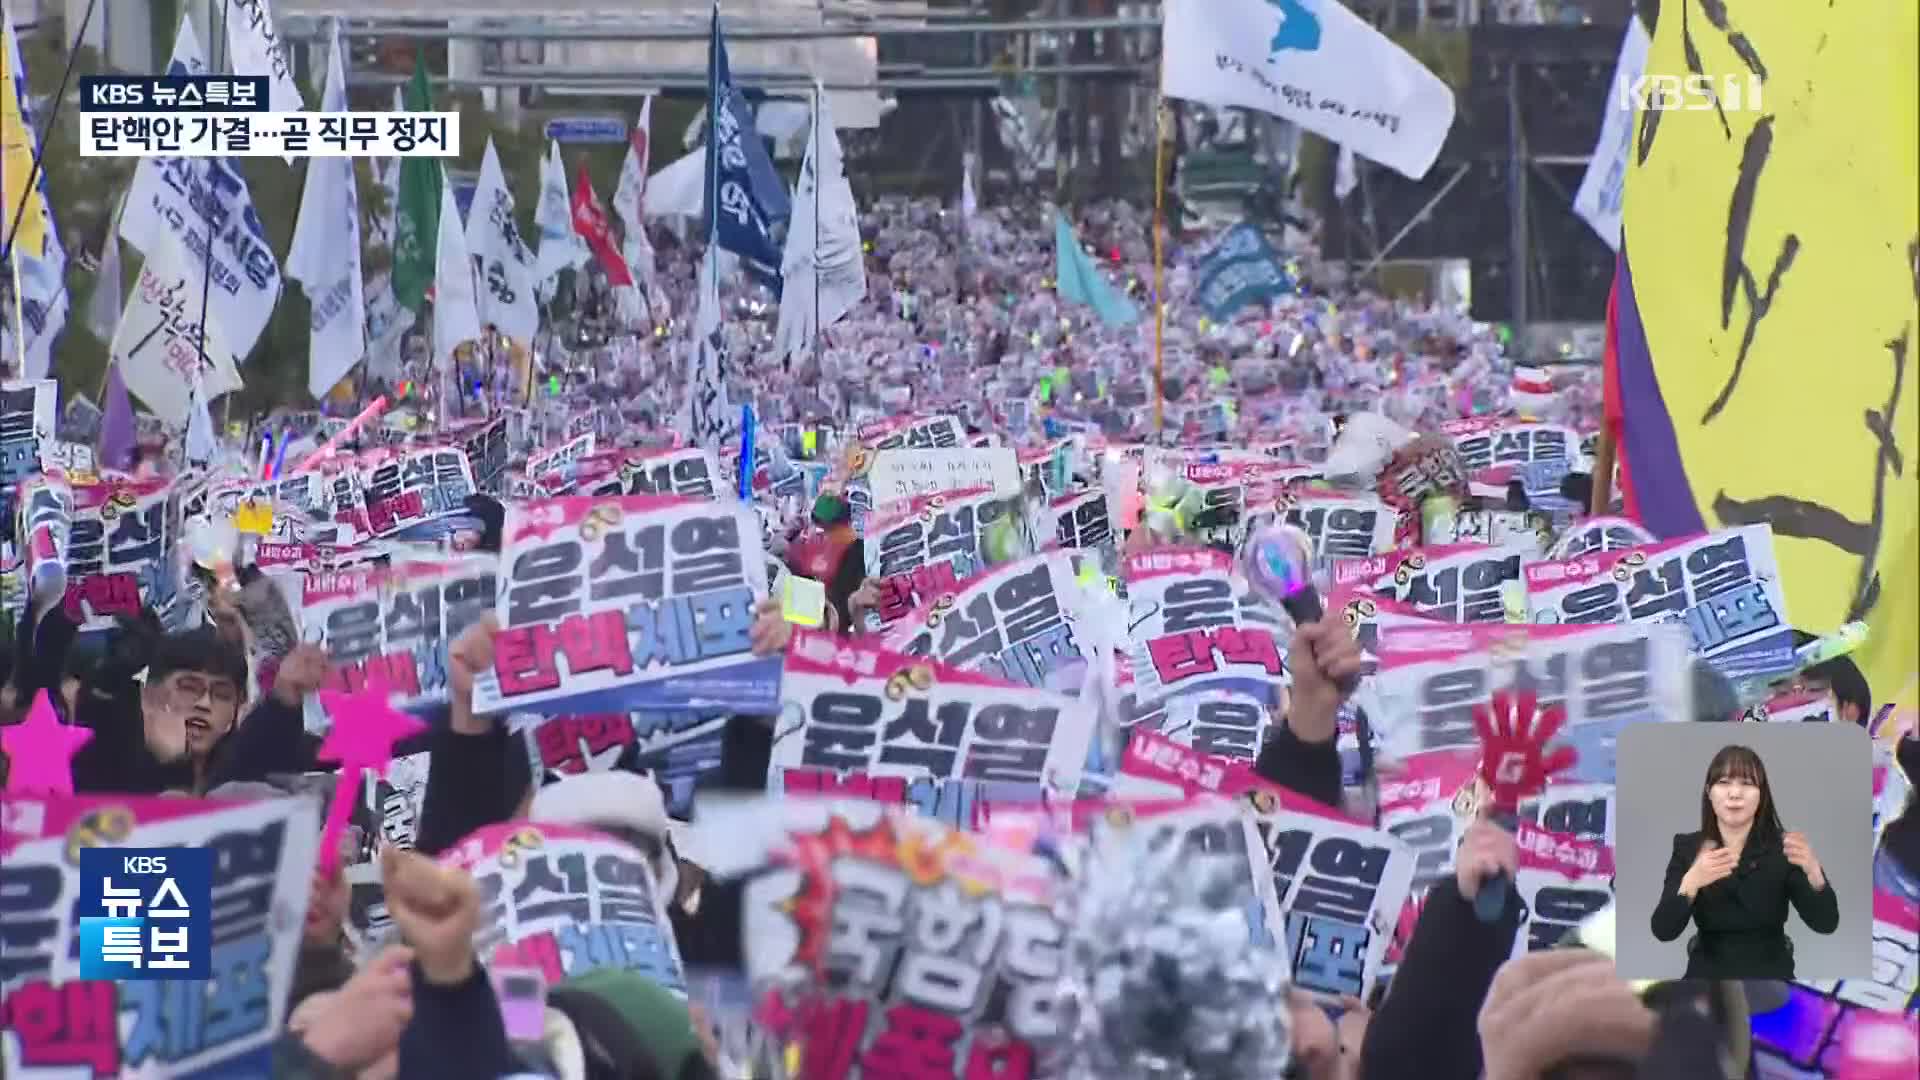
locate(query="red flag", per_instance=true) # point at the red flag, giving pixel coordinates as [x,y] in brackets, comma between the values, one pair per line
[590,221]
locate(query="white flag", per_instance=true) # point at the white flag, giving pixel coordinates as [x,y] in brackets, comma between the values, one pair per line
[708,416]
[258,50]
[387,326]
[456,315]
[561,248]
[500,257]
[158,342]
[1602,194]
[823,274]
[1346,174]
[386,173]
[325,256]
[202,445]
[1312,62]
[969,201]
[171,200]
[630,197]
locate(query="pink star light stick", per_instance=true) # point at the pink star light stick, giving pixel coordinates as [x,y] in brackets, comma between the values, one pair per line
[364,732]
[40,751]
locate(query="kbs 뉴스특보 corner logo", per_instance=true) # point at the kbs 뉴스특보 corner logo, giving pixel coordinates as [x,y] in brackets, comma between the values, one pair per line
[146,913]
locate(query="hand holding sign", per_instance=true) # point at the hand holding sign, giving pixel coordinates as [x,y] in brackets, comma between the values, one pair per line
[1515,764]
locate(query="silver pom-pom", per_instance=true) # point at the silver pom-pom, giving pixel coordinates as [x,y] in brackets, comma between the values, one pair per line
[1163,980]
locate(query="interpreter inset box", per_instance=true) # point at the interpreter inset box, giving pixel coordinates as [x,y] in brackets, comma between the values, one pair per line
[1744,851]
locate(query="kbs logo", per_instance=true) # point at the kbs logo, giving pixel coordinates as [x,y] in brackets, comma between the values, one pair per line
[1673,93]
[146,913]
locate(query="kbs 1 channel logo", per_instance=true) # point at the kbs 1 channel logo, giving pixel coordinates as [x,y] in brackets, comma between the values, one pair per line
[1682,93]
[229,116]
[146,914]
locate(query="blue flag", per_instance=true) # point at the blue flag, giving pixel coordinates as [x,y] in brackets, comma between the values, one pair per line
[1078,281]
[743,193]
[1241,269]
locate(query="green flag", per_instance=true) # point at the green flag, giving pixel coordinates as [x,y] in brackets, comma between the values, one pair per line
[416,229]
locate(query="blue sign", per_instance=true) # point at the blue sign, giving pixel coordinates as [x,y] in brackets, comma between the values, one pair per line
[1240,270]
[600,129]
[146,914]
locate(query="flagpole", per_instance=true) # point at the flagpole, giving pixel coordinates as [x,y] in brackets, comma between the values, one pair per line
[1159,265]
[818,330]
[19,308]
[218,57]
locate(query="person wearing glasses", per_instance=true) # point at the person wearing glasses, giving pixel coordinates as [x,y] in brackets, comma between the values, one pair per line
[170,711]
[1735,878]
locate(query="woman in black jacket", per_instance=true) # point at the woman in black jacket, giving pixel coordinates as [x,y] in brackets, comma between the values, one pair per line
[1735,877]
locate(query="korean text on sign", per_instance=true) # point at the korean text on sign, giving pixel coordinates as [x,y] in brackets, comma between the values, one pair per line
[633,602]
[1015,622]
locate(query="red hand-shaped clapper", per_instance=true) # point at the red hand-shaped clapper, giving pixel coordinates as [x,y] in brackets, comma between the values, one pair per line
[1514,763]
[1514,733]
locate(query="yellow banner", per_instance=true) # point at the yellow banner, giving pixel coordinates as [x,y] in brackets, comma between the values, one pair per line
[1774,243]
[16,153]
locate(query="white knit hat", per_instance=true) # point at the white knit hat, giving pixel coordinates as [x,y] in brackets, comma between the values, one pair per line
[1531,391]
[614,799]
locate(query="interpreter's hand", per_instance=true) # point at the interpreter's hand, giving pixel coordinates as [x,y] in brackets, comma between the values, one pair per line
[360,1023]
[470,654]
[1800,853]
[770,631]
[1487,850]
[1547,1008]
[301,672]
[1322,654]
[1710,864]
[436,908]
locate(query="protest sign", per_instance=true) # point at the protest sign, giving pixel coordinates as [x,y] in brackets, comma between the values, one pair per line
[874,928]
[690,472]
[117,542]
[565,901]
[409,492]
[1014,622]
[393,624]
[1562,879]
[1723,587]
[912,433]
[1339,885]
[1081,521]
[899,475]
[1193,622]
[1431,680]
[849,708]
[921,548]
[1427,805]
[1853,1027]
[1342,526]
[636,602]
[54,1024]
[677,750]
[26,426]
[1460,583]
[1488,441]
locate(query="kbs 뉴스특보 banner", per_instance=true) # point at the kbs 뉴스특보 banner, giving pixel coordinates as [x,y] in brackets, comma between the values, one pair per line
[565,901]
[636,602]
[57,1026]
[853,711]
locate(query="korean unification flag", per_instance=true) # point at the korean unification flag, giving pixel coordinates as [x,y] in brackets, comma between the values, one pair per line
[1314,63]
[751,195]
[168,203]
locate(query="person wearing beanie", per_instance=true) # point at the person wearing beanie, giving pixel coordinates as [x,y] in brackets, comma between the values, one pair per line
[610,1024]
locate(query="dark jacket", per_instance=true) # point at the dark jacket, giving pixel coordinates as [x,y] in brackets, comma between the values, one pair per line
[1427,1027]
[456,1031]
[1742,918]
